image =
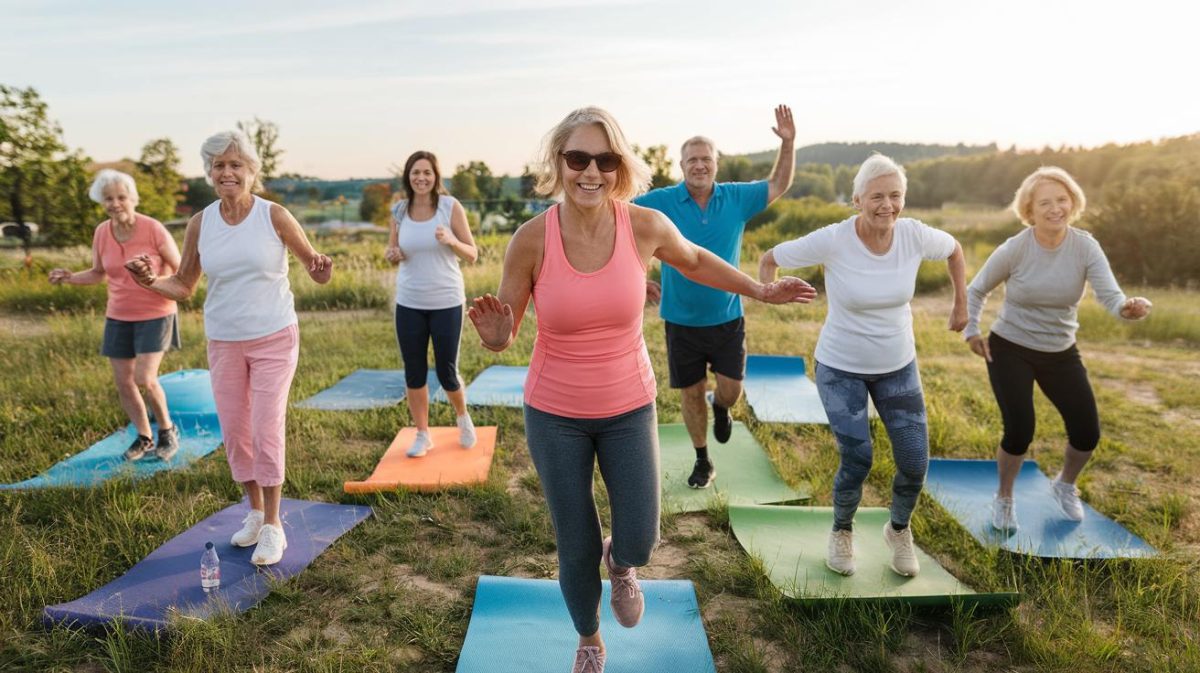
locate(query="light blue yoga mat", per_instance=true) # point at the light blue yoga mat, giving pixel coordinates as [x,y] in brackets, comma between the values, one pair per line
[522,626]
[779,392]
[366,389]
[190,400]
[966,487]
[496,386]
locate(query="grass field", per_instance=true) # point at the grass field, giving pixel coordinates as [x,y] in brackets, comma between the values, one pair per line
[395,594]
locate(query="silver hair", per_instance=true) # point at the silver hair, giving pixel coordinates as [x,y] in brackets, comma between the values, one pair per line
[219,143]
[698,140]
[108,177]
[877,166]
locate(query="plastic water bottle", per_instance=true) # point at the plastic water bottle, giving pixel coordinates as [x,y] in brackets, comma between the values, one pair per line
[210,569]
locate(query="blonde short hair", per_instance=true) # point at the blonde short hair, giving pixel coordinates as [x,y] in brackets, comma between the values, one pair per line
[633,175]
[877,166]
[218,143]
[108,177]
[1022,203]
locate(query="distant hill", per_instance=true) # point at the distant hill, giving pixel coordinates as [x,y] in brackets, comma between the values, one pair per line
[853,154]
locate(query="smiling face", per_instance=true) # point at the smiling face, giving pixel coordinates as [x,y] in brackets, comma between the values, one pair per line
[881,201]
[119,203]
[1051,206]
[422,177]
[231,174]
[699,167]
[589,187]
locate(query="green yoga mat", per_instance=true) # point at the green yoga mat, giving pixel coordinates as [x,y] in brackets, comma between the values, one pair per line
[791,543]
[744,472]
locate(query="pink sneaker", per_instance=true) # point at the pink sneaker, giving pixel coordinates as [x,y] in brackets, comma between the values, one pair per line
[588,659]
[627,600]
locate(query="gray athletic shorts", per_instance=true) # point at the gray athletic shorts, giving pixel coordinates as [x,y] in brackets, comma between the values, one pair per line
[126,340]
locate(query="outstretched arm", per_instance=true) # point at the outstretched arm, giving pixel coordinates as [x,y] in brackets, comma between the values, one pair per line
[182,284]
[87,277]
[785,162]
[319,267]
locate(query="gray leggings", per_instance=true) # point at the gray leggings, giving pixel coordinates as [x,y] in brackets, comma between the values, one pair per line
[901,405]
[564,451]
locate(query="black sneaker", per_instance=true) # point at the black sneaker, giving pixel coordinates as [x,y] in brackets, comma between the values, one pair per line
[703,474]
[139,448]
[722,423]
[168,443]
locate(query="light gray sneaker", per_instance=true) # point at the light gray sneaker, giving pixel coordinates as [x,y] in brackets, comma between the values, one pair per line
[588,659]
[839,557]
[466,431]
[251,525]
[421,445]
[628,603]
[1004,514]
[1068,499]
[271,543]
[904,555]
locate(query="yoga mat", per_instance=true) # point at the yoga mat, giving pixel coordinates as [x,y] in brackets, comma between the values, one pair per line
[522,626]
[779,392]
[446,465]
[966,487]
[366,389]
[791,542]
[191,405]
[166,583]
[744,472]
[496,386]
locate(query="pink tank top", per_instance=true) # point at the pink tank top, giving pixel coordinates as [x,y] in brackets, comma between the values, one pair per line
[589,357]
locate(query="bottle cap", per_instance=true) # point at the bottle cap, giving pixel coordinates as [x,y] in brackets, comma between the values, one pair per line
[208,545]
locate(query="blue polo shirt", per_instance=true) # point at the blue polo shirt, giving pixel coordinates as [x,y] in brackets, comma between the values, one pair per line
[717,228]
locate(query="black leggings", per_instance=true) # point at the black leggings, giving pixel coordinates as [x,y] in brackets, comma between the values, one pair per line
[414,327]
[1061,376]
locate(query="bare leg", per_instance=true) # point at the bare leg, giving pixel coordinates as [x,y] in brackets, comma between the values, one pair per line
[130,396]
[145,374]
[593,640]
[271,496]
[458,399]
[695,411]
[729,391]
[254,494]
[1073,462]
[418,406]
[1008,466]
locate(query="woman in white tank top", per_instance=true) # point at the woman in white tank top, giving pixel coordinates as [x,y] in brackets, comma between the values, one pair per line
[241,243]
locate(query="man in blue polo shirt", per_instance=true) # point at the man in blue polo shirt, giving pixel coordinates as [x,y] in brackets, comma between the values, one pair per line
[704,325]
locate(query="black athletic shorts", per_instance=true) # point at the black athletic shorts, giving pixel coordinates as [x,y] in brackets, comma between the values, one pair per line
[690,349]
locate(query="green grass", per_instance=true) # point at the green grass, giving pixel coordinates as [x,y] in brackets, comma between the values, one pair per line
[395,593]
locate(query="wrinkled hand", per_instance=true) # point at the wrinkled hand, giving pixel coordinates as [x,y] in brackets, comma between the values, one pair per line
[444,236]
[493,321]
[139,267]
[58,276]
[394,254]
[1136,308]
[787,290]
[320,268]
[979,346]
[958,317]
[653,293]
[784,127]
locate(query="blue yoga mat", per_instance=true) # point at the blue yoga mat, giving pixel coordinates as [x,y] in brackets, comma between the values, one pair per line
[522,626]
[966,487]
[189,397]
[166,583]
[779,392]
[496,386]
[366,389]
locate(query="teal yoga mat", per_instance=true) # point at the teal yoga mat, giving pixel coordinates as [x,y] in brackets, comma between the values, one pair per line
[522,626]
[744,472]
[779,392]
[496,386]
[189,397]
[366,389]
[791,542]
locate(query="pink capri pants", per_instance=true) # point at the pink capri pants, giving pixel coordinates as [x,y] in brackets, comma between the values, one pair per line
[250,382]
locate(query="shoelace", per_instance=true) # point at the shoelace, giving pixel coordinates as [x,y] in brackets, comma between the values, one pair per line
[844,545]
[589,660]
[904,544]
[626,582]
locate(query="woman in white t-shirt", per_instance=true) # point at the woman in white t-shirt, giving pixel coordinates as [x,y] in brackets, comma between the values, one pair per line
[429,237]
[866,346]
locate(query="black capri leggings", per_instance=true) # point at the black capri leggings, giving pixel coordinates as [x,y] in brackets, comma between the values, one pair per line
[1061,376]
[414,327]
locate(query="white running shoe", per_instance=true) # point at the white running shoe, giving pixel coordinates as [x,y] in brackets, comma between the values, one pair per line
[271,543]
[421,445]
[251,525]
[840,556]
[466,431]
[904,556]
[1068,499]
[1004,514]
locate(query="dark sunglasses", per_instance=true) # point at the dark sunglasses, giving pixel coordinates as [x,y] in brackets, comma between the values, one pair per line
[578,161]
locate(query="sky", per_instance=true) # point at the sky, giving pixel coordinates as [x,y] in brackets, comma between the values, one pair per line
[356,89]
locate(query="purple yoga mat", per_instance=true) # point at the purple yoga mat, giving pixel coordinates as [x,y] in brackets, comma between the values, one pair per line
[167,582]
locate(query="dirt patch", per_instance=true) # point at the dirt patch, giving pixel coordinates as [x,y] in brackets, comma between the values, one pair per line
[337,633]
[403,575]
[23,327]
[669,562]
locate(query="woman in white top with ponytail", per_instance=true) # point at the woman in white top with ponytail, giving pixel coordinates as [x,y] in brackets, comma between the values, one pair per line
[429,237]
[241,243]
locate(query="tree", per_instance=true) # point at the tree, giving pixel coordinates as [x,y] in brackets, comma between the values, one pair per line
[265,136]
[474,181]
[376,203]
[73,212]
[159,180]
[29,141]
[657,158]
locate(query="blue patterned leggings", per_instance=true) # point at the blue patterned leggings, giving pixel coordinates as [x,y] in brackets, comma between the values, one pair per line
[901,405]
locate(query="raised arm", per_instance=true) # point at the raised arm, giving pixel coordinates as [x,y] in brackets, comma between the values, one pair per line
[182,284]
[785,162]
[497,319]
[319,267]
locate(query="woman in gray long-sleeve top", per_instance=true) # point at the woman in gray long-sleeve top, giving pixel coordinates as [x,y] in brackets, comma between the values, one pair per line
[1044,269]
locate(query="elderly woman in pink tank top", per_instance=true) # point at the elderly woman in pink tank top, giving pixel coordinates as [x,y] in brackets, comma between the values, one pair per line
[590,394]
[241,242]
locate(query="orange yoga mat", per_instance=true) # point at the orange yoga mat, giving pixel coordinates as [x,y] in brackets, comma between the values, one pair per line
[446,465]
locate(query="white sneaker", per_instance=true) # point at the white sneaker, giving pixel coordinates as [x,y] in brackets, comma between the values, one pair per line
[1004,514]
[1068,499]
[271,543]
[421,445]
[840,555]
[466,431]
[904,556]
[251,525]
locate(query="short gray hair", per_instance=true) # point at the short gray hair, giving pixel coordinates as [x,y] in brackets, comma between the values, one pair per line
[877,166]
[698,140]
[219,143]
[108,177]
